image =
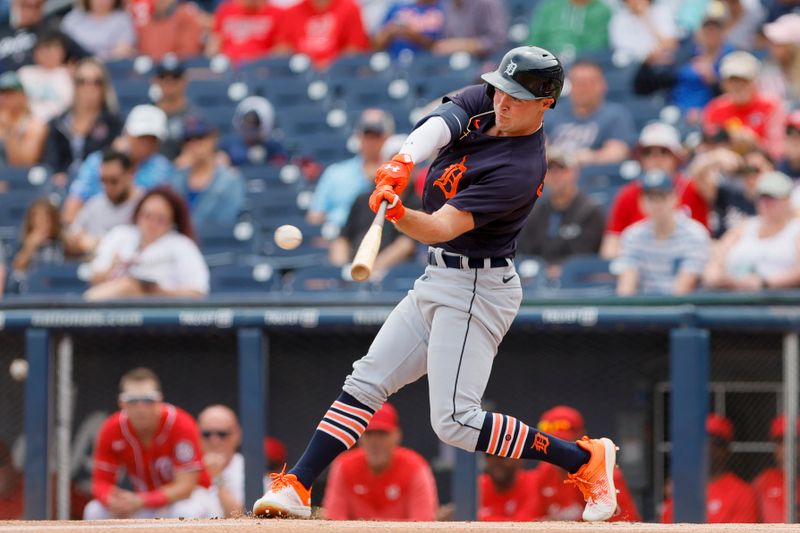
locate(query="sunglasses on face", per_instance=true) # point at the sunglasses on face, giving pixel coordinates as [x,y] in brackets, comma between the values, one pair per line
[97,82]
[132,398]
[207,434]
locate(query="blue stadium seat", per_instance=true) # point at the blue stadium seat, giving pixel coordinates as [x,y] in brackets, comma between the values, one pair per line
[215,239]
[359,93]
[272,68]
[587,272]
[277,202]
[401,277]
[54,279]
[644,110]
[122,68]
[351,66]
[520,10]
[270,175]
[604,196]
[426,65]
[202,93]
[282,92]
[321,278]
[620,83]
[599,176]
[220,116]
[323,148]
[531,271]
[132,92]
[428,89]
[24,178]
[299,121]
[13,205]
[243,278]
[400,111]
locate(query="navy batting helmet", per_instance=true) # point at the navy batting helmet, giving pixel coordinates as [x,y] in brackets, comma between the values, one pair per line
[527,73]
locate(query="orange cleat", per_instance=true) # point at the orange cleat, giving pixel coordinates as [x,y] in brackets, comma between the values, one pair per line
[595,479]
[286,498]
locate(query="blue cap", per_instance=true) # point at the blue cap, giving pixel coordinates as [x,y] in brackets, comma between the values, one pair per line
[656,181]
[171,65]
[196,126]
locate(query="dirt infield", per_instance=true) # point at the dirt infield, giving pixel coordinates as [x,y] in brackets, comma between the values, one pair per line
[324,526]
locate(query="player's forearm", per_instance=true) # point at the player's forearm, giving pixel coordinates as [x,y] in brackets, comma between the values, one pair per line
[441,226]
[181,487]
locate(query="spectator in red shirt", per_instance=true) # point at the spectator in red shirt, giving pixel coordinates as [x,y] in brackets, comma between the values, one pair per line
[728,498]
[555,500]
[322,29]
[171,28]
[659,148]
[770,485]
[158,446]
[381,480]
[244,29]
[11,497]
[505,491]
[748,116]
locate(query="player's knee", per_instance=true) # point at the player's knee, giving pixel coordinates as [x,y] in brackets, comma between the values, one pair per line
[450,432]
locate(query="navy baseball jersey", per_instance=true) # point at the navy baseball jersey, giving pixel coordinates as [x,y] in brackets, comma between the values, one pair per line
[497,179]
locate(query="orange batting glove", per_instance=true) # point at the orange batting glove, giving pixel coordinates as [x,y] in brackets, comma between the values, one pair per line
[395,173]
[395,210]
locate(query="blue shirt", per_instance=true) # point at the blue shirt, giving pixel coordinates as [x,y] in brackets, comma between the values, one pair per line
[427,20]
[338,187]
[153,171]
[691,91]
[570,132]
[497,179]
[219,203]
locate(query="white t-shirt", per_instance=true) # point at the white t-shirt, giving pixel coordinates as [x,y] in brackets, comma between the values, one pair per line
[173,261]
[233,480]
[630,34]
[49,91]
[99,215]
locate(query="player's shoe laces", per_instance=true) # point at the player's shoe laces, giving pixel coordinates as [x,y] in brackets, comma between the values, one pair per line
[595,479]
[286,498]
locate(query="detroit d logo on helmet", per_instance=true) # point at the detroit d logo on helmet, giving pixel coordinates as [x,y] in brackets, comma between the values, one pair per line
[511,68]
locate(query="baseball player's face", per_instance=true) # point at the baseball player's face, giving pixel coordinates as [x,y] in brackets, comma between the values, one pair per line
[141,401]
[379,447]
[514,117]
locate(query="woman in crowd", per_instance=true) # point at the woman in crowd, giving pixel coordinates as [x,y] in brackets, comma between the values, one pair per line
[88,126]
[155,256]
[102,27]
[42,240]
[641,29]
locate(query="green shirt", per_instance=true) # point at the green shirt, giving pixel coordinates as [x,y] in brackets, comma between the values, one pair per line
[559,26]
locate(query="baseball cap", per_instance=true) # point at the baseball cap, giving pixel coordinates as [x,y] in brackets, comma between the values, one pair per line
[740,64]
[778,427]
[656,181]
[196,126]
[561,421]
[716,12]
[170,65]
[256,112]
[775,184]
[384,419]
[9,81]
[559,156]
[274,450]
[719,426]
[663,135]
[375,121]
[146,119]
[784,30]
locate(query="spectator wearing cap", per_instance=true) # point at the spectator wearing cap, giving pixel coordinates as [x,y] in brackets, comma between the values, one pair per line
[505,491]
[11,494]
[220,437]
[666,252]
[659,148]
[172,28]
[102,27]
[342,182]
[170,78]
[749,117]
[145,128]
[570,26]
[379,479]
[555,500]
[410,27]
[478,27]
[763,252]
[244,29]
[640,28]
[746,18]
[90,124]
[780,73]
[566,222]
[770,484]
[395,247]
[321,29]
[214,192]
[22,135]
[48,82]
[252,142]
[790,164]
[596,131]
[728,498]
[105,211]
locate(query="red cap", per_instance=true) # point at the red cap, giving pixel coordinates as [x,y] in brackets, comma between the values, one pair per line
[384,419]
[719,426]
[793,120]
[778,427]
[562,422]
[274,450]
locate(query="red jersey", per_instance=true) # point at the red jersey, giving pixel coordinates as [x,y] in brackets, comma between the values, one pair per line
[763,115]
[512,505]
[555,500]
[404,491]
[246,33]
[770,489]
[175,448]
[179,33]
[729,500]
[141,11]
[323,35]
[627,208]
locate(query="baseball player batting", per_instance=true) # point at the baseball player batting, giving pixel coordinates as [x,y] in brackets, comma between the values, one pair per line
[488,172]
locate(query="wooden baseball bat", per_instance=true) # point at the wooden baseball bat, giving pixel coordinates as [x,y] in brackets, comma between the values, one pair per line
[370,244]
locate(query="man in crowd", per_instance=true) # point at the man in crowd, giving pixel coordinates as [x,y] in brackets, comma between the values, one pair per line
[158,446]
[170,27]
[381,480]
[221,437]
[770,485]
[170,78]
[570,26]
[478,27]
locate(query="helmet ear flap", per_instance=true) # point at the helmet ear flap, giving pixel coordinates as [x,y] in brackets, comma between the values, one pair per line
[490,90]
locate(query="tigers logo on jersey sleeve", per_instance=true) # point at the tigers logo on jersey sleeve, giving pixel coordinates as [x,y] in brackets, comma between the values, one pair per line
[448,181]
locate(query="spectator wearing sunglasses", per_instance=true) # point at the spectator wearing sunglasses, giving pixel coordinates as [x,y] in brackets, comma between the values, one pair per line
[158,446]
[214,192]
[567,221]
[221,437]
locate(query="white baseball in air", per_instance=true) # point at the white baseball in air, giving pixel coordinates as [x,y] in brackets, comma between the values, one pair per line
[288,237]
[18,369]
